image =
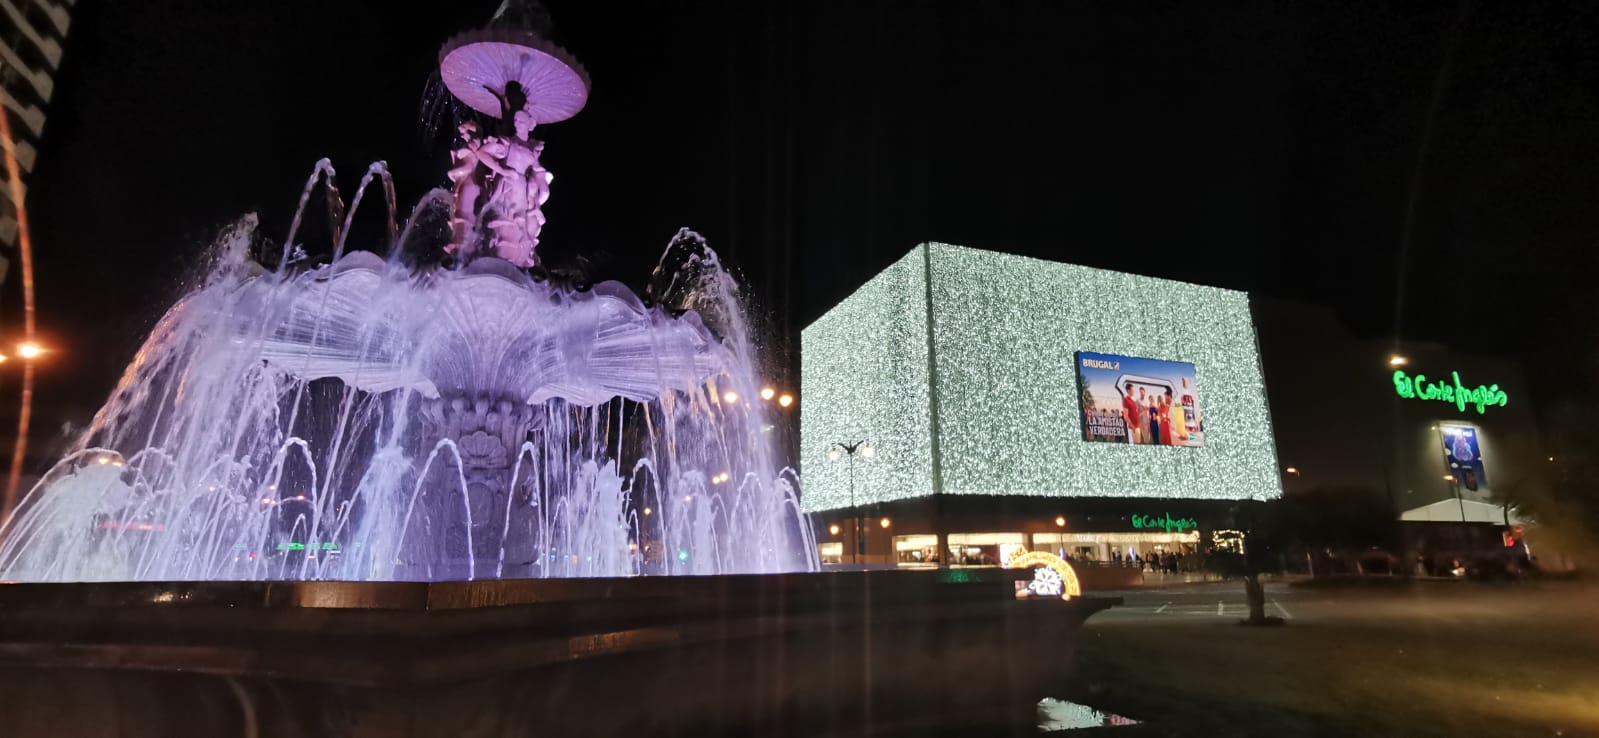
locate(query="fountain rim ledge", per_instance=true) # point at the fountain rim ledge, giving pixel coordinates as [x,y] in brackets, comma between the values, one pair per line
[445,596]
[387,634]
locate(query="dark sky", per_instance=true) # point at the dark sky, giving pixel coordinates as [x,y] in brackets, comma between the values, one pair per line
[1262,146]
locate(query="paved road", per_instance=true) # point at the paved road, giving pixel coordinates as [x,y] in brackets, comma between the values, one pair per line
[1428,658]
[1212,600]
[1422,602]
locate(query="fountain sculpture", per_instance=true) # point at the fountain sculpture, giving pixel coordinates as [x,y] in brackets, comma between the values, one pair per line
[382,416]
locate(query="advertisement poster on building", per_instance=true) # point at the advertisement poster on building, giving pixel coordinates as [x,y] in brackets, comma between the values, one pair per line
[1144,402]
[1463,456]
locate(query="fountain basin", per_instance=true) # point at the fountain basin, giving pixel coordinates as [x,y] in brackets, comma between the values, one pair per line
[787,654]
[487,328]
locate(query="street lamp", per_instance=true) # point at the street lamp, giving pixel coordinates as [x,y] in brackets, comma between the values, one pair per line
[767,392]
[785,399]
[1396,360]
[865,450]
[24,243]
[29,350]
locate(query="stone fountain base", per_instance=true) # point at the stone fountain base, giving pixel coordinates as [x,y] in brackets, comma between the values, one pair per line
[797,654]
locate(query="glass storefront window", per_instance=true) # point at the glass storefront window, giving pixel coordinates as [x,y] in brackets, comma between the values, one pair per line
[916,550]
[1115,548]
[983,549]
[965,549]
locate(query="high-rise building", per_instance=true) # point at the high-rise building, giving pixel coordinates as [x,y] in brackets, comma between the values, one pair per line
[31,36]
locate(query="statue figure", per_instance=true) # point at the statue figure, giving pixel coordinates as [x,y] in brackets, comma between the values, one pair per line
[519,189]
[468,186]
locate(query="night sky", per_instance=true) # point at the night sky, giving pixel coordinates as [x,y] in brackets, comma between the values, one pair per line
[1270,147]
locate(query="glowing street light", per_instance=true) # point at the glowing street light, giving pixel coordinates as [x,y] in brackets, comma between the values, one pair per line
[868,451]
[1060,521]
[1397,360]
[647,511]
[785,399]
[30,350]
[767,393]
[833,529]
[24,243]
[884,522]
[833,454]
[1294,470]
[730,396]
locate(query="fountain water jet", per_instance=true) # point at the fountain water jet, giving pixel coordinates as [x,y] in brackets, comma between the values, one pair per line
[368,419]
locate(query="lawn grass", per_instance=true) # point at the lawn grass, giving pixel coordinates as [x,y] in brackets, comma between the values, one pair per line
[1421,663]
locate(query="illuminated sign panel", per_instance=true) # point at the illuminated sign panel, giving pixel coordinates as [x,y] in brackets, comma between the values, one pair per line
[1452,391]
[1166,523]
[1142,402]
[961,367]
[1463,456]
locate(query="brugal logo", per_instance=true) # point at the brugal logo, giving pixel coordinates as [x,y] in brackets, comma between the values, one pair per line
[1114,366]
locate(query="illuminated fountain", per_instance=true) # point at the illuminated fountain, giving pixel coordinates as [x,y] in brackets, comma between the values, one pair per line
[453,415]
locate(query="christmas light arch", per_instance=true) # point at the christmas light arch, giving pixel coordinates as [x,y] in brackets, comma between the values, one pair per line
[1023,558]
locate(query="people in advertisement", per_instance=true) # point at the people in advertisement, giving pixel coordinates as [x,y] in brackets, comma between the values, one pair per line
[1139,401]
[1463,456]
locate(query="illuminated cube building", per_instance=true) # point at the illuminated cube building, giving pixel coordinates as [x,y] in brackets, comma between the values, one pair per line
[990,389]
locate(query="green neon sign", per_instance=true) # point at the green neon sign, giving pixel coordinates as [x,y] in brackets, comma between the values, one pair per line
[297,546]
[1456,393]
[1167,523]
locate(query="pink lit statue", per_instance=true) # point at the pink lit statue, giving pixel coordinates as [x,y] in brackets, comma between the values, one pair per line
[468,186]
[517,185]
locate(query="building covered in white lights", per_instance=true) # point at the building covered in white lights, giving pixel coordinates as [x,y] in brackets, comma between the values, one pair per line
[1009,402]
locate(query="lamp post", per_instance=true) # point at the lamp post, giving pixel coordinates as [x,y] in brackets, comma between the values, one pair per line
[865,450]
[29,350]
[1451,475]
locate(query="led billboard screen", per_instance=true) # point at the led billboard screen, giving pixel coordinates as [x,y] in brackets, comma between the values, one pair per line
[1138,401]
